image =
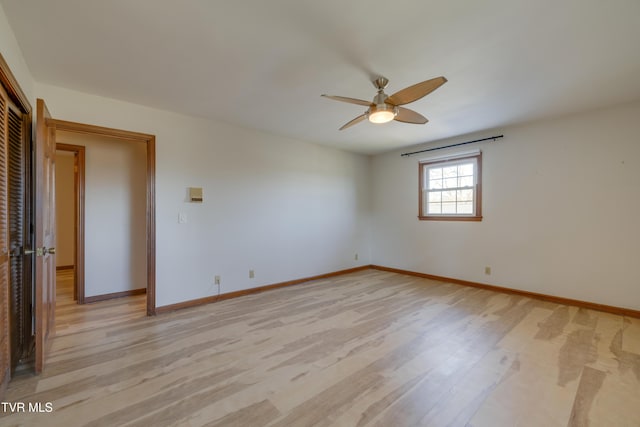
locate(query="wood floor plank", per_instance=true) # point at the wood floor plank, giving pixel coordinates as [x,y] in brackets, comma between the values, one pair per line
[590,384]
[370,348]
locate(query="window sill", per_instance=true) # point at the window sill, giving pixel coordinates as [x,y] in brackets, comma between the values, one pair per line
[450,218]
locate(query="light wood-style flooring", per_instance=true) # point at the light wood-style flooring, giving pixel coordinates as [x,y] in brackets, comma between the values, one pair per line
[72,318]
[371,348]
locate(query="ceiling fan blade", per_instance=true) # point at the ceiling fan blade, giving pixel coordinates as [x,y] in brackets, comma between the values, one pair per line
[354,121]
[415,92]
[349,100]
[406,115]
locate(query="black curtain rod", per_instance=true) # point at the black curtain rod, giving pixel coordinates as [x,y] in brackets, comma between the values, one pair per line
[454,145]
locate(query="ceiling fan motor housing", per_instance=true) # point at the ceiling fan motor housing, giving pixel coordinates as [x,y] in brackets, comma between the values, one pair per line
[380,111]
[380,98]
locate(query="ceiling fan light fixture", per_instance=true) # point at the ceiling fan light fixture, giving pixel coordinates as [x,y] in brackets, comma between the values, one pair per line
[382,113]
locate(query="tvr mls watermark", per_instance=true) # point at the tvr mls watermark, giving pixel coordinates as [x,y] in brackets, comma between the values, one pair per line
[30,407]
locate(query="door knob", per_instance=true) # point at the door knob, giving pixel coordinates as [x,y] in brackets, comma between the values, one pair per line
[42,251]
[28,251]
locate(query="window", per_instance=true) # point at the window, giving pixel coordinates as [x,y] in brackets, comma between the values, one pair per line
[450,189]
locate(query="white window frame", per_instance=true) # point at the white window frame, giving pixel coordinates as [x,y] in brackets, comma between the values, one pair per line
[424,190]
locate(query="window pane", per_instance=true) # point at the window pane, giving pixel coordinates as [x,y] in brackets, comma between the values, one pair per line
[450,171]
[435,173]
[466,169]
[435,184]
[434,208]
[450,182]
[465,181]
[465,208]
[465,195]
[449,208]
[435,196]
[449,196]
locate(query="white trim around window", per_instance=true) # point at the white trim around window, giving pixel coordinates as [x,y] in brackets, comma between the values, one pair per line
[451,189]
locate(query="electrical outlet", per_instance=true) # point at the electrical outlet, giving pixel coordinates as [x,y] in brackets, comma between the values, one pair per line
[251,274]
[356,257]
[182,218]
[487,270]
[216,280]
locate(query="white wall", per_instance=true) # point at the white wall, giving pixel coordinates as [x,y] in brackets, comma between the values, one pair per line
[13,56]
[560,207]
[285,208]
[115,213]
[65,209]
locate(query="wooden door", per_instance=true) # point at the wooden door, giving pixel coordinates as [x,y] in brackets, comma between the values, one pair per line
[45,225]
[4,245]
[19,280]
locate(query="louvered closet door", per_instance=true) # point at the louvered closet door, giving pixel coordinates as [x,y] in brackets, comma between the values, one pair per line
[4,244]
[16,175]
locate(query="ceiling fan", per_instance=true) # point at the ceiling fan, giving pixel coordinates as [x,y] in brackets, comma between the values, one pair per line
[385,108]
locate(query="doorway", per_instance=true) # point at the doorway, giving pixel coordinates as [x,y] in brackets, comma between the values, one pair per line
[100,198]
[70,189]
[110,259]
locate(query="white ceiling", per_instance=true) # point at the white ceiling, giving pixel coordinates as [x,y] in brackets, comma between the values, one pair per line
[264,64]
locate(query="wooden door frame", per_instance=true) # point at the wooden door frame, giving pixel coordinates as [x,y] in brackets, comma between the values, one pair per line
[78,220]
[150,143]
